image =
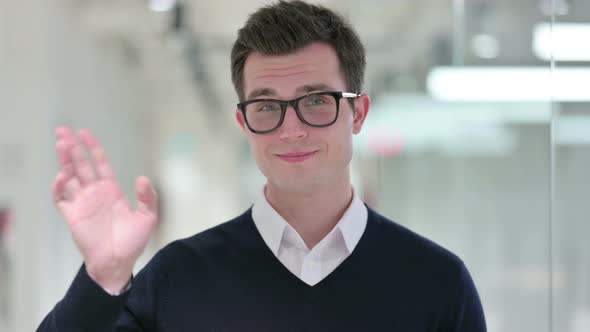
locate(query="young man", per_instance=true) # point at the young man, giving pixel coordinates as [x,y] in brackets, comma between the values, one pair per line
[308,256]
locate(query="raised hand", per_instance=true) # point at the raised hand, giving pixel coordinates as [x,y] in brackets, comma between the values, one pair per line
[108,232]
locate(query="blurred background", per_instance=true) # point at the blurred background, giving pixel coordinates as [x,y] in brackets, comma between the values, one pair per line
[478,138]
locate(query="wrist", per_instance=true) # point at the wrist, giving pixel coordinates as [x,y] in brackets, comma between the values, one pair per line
[114,281]
[117,292]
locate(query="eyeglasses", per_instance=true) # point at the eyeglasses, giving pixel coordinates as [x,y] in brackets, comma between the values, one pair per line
[318,109]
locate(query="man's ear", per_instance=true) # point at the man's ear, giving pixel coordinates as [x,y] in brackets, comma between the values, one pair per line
[240,119]
[362,104]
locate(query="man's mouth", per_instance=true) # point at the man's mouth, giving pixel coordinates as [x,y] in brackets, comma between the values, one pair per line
[295,157]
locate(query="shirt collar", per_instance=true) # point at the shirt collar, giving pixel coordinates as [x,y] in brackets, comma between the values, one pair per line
[353,222]
[269,222]
[272,226]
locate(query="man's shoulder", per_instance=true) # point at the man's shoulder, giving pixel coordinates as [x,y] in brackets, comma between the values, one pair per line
[213,240]
[408,246]
[199,250]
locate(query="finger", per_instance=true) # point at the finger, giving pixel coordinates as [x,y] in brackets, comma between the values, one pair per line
[58,190]
[73,187]
[82,167]
[147,199]
[64,157]
[65,133]
[65,187]
[104,169]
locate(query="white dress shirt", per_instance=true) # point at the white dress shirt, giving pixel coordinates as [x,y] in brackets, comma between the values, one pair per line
[311,266]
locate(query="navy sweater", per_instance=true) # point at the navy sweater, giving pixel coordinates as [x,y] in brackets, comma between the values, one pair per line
[227,279]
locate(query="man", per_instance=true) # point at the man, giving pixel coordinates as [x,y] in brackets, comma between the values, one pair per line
[308,256]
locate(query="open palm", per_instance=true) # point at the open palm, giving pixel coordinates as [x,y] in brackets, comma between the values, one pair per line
[108,232]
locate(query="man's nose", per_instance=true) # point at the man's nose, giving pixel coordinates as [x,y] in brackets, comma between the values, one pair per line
[292,128]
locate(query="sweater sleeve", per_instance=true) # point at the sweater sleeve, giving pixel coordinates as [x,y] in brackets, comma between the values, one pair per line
[465,313]
[87,307]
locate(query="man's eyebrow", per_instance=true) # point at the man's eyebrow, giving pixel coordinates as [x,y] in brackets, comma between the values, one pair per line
[314,87]
[261,92]
[300,90]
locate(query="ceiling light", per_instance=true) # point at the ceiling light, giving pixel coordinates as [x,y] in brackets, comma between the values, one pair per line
[565,42]
[162,5]
[509,84]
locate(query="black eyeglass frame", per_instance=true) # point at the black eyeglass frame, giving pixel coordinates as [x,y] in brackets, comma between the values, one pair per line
[338,95]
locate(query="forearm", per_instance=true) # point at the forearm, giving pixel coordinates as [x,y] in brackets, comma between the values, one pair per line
[86,307]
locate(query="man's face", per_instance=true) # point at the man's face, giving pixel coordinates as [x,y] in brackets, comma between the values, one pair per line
[297,157]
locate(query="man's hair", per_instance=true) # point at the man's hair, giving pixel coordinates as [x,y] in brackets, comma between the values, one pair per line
[286,26]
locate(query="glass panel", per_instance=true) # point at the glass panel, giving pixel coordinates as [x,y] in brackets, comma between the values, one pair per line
[571,161]
[456,146]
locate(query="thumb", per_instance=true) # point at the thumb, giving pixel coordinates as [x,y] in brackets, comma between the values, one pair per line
[147,199]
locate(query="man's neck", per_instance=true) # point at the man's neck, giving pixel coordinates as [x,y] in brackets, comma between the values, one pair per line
[312,214]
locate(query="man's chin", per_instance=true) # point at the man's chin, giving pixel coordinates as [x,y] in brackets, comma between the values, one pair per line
[295,184]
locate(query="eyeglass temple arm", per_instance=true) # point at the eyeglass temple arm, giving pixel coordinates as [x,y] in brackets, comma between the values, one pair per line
[350,95]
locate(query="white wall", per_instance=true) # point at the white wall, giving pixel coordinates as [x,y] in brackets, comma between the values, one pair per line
[53,74]
[56,69]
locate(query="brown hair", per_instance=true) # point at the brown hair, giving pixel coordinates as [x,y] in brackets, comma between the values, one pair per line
[286,26]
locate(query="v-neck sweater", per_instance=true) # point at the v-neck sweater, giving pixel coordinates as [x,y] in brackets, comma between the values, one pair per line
[227,279]
[310,265]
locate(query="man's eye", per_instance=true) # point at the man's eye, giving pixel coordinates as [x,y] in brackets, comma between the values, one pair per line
[316,101]
[268,107]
